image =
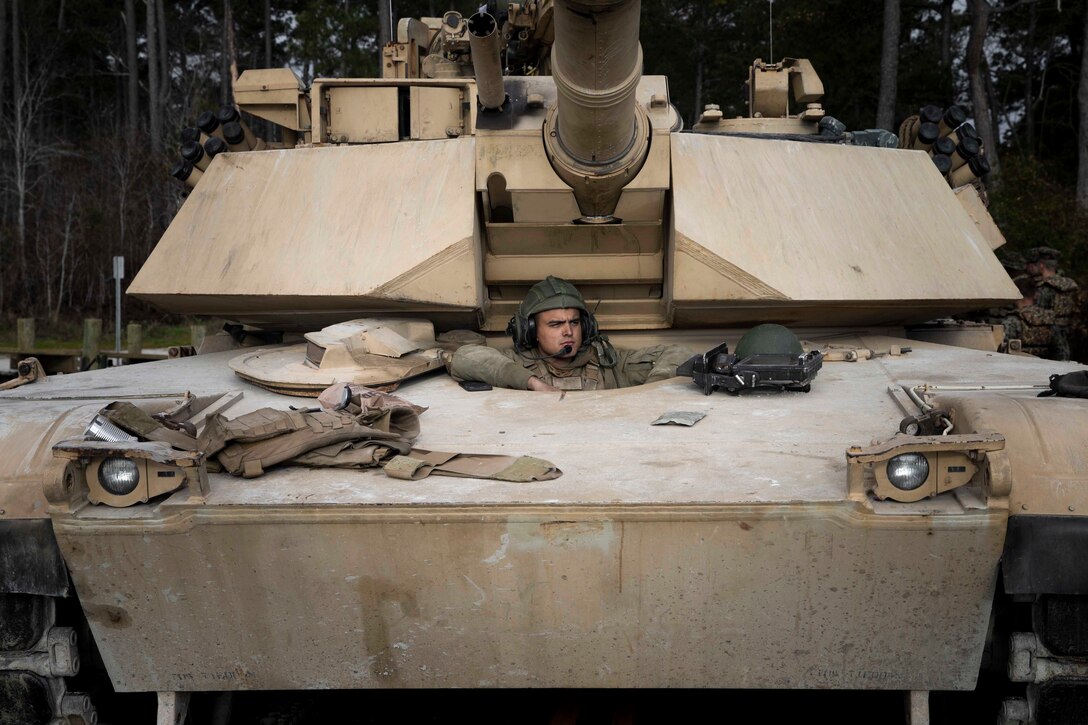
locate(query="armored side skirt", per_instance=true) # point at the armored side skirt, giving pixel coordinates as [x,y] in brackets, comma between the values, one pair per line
[801,596]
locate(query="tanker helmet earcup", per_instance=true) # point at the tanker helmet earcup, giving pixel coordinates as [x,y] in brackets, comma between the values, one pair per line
[522,331]
[530,332]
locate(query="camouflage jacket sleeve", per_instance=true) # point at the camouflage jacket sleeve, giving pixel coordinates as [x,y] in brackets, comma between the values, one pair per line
[488,365]
[650,364]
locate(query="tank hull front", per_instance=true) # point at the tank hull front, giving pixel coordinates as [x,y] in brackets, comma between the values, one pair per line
[795,596]
[728,554]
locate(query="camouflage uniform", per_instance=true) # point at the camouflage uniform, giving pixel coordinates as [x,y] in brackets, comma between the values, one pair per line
[513,368]
[1059,294]
[1014,328]
[1034,327]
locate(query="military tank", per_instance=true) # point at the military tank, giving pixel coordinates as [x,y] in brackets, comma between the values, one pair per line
[913,520]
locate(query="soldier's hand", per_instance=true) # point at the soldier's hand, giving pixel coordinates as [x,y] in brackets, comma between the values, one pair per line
[536,383]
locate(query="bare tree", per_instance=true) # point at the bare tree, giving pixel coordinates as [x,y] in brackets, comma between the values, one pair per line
[267,33]
[889,66]
[66,245]
[154,105]
[28,149]
[700,64]
[231,50]
[977,69]
[51,259]
[133,67]
[1082,140]
[227,55]
[3,51]
[16,50]
[946,33]
[164,56]
[385,24]
[1029,80]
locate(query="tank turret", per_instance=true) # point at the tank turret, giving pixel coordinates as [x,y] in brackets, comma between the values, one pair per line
[448,196]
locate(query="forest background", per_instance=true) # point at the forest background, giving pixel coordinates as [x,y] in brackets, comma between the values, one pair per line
[93,94]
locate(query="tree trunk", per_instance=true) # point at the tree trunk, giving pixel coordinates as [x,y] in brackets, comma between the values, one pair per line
[3,118]
[1082,101]
[19,141]
[1029,81]
[54,313]
[154,114]
[164,59]
[699,64]
[946,33]
[225,89]
[267,33]
[385,22]
[16,52]
[889,67]
[133,65]
[3,54]
[232,54]
[230,66]
[976,66]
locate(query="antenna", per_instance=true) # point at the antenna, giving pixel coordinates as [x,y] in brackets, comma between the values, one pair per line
[770,30]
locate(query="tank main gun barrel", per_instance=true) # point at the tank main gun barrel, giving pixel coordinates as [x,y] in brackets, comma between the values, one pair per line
[485,42]
[597,136]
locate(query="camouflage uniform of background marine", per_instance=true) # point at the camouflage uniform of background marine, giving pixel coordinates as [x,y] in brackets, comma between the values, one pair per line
[1030,324]
[1057,295]
[597,366]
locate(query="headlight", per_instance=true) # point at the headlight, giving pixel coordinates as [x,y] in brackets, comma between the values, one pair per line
[908,471]
[119,476]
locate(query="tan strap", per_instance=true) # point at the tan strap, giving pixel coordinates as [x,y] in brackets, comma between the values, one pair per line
[406,468]
[419,464]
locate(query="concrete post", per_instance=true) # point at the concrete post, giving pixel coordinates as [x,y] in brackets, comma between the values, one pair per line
[135,336]
[92,332]
[25,334]
[197,333]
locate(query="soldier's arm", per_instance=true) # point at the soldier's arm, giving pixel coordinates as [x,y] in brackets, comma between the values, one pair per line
[488,365]
[650,364]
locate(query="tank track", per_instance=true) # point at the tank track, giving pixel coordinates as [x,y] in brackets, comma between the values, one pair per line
[36,659]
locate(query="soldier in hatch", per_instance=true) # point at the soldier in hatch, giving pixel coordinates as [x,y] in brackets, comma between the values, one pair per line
[557,347]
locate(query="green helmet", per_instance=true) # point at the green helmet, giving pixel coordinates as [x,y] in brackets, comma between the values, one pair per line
[551,293]
[768,339]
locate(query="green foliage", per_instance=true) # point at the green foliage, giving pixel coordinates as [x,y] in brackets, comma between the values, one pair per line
[1034,210]
[840,38]
[67,333]
[336,38]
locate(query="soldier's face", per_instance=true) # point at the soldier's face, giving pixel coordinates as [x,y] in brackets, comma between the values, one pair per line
[559,329]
